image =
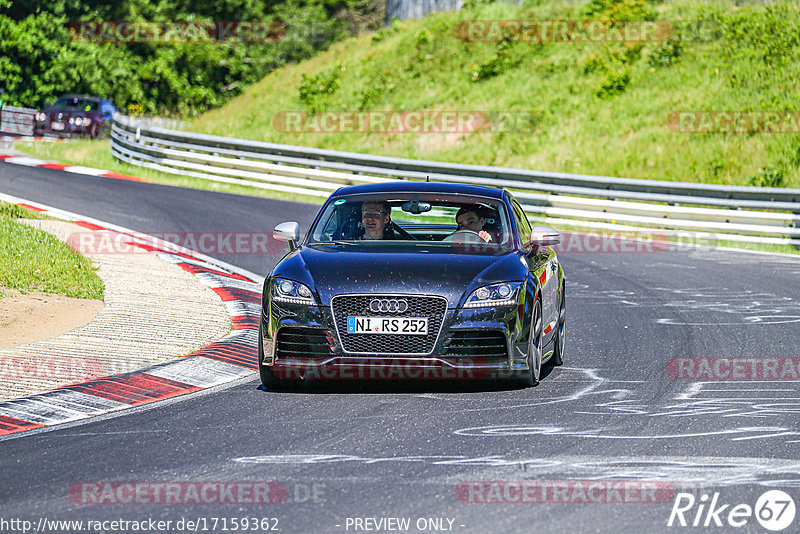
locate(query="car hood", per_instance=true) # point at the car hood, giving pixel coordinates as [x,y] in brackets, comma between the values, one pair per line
[329,271]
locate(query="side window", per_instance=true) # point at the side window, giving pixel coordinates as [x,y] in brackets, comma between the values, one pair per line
[523,225]
[332,225]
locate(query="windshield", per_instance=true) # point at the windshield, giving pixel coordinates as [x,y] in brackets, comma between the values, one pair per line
[76,103]
[399,220]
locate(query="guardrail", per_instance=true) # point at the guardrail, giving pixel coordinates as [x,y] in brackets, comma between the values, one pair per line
[158,122]
[749,214]
[17,121]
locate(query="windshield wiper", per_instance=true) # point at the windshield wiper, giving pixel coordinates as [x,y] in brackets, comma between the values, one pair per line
[334,243]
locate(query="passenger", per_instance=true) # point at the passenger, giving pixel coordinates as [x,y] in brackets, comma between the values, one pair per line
[375,216]
[469,218]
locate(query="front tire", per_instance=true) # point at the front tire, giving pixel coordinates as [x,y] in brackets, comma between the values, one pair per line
[268,377]
[531,376]
[558,347]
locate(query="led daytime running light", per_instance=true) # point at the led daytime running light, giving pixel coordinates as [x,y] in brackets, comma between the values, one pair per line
[291,291]
[502,294]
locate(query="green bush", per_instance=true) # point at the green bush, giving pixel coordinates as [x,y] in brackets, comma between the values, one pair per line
[422,39]
[40,58]
[619,10]
[768,176]
[383,33]
[614,82]
[314,91]
[374,87]
[501,61]
[593,63]
[666,54]
[768,35]
[613,64]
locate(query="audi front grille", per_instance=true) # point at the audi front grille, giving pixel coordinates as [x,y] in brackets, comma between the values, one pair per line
[432,307]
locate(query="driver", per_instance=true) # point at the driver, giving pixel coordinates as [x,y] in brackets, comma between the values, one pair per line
[469,218]
[375,216]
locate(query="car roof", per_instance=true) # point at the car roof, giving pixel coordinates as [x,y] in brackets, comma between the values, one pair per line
[96,99]
[83,97]
[401,186]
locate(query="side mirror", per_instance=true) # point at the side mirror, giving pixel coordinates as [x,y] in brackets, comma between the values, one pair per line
[287,231]
[544,236]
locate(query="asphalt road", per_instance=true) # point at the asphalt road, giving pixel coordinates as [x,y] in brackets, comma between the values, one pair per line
[347,452]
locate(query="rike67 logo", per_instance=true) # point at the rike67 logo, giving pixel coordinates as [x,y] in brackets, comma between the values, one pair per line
[774,510]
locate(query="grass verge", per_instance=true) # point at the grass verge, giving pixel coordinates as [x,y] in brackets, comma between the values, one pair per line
[31,259]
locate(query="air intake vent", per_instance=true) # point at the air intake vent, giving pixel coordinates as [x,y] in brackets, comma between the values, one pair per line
[489,344]
[297,343]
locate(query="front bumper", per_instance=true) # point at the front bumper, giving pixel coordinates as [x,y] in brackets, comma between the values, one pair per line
[499,350]
[68,130]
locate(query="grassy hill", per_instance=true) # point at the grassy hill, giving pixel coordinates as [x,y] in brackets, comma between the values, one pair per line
[597,107]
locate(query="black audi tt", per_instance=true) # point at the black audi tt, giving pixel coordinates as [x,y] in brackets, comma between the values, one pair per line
[413,280]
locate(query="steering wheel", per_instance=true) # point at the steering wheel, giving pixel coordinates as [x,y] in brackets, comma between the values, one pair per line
[468,236]
[405,235]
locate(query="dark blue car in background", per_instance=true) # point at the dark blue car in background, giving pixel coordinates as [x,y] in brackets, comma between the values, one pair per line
[413,280]
[75,115]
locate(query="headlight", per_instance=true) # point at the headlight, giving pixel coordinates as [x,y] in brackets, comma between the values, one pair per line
[41,117]
[291,291]
[494,295]
[87,121]
[78,121]
[72,120]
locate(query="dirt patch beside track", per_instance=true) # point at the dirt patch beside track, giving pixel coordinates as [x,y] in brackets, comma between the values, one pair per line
[34,316]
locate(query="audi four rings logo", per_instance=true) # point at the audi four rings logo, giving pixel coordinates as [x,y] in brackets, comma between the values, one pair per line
[388,305]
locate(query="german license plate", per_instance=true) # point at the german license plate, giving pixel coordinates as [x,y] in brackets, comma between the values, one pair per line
[388,325]
[58,126]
